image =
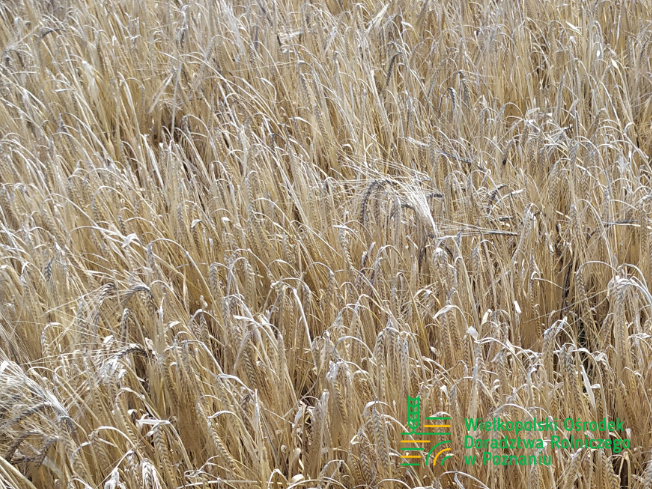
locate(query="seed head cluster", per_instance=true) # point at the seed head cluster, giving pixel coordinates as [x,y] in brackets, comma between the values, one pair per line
[236,236]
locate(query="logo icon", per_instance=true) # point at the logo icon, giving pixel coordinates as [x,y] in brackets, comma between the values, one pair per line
[414,449]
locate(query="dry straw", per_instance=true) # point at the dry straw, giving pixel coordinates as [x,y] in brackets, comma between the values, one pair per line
[236,236]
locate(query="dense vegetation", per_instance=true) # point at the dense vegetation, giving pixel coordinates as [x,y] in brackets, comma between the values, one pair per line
[236,236]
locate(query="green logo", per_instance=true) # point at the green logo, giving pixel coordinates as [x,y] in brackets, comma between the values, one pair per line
[414,449]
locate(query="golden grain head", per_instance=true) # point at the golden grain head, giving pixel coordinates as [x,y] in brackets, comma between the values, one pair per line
[236,237]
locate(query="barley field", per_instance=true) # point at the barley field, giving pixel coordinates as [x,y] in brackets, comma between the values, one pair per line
[237,238]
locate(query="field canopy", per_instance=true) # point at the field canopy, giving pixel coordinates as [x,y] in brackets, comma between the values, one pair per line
[236,237]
